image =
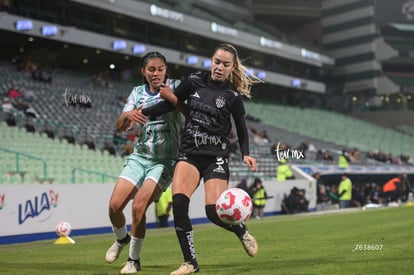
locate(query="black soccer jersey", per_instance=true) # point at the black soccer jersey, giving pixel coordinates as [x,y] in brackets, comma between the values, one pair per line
[210,106]
[208,122]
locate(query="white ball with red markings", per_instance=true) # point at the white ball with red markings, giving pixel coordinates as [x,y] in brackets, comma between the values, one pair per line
[63,229]
[234,206]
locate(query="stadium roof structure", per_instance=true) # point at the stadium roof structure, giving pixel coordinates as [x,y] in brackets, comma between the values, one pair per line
[369,39]
[167,18]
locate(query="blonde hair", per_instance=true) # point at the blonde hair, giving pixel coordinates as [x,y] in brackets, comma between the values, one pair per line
[240,77]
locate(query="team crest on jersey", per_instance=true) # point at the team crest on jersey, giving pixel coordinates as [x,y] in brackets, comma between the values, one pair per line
[220,102]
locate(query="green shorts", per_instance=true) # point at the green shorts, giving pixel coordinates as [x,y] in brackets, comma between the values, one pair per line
[137,169]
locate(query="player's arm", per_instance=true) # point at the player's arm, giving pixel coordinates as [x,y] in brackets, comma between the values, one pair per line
[131,113]
[122,123]
[158,109]
[167,94]
[238,113]
[126,119]
[172,100]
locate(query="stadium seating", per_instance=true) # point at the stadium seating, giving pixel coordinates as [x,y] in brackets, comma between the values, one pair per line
[52,102]
[80,125]
[409,130]
[60,157]
[333,127]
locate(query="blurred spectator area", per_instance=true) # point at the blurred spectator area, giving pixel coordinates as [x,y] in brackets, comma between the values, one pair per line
[332,128]
[74,117]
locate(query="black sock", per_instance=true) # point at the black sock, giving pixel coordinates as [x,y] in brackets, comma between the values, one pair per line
[125,240]
[183,228]
[131,260]
[211,213]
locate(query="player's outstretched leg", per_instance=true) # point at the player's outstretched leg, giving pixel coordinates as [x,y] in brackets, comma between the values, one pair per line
[185,234]
[248,241]
[113,252]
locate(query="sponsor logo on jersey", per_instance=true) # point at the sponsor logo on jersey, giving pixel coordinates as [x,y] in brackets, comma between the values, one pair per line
[198,106]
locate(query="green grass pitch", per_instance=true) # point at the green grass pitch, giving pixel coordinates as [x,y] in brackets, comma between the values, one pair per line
[377,241]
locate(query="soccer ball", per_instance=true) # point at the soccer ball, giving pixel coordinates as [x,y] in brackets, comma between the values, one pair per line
[63,229]
[234,206]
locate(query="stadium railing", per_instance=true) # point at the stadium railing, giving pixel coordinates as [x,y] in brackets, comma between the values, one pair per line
[103,176]
[18,167]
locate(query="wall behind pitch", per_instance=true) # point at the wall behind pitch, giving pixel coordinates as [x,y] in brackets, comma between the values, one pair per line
[31,212]
[35,209]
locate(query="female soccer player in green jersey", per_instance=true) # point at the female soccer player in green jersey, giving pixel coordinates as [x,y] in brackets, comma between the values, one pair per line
[148,170]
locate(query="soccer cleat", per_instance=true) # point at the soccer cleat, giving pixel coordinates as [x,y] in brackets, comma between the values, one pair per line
[131,267]
[185,268]
[113,252]
[249,244]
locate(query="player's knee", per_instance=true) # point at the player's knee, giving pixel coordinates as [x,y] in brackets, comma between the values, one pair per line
[138,211]
[180,205]
[114,208]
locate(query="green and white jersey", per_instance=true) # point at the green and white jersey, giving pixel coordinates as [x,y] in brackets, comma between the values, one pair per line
[159,137]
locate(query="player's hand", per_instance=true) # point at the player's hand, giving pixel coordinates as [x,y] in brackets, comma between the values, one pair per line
[128,119]
[123,125]
[136,116]
[166,92]
[251,162]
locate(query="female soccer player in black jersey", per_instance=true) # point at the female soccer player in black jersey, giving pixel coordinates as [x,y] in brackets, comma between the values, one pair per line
[211,99]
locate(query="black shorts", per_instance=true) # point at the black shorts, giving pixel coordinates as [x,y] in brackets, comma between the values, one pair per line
[209,167]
